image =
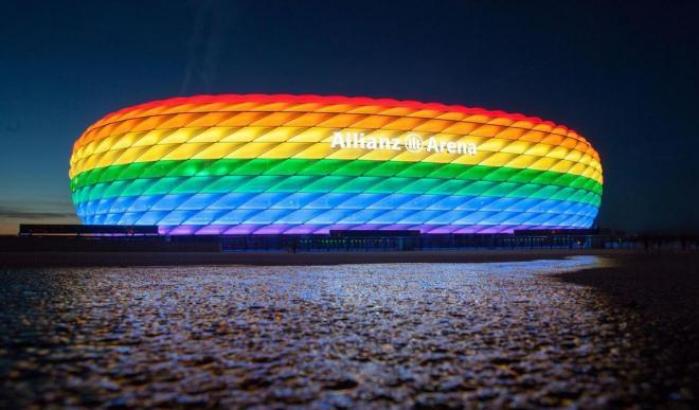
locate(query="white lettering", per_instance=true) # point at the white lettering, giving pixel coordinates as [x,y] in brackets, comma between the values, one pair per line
[411,142]
[432,145]
[371,143]
[338,140]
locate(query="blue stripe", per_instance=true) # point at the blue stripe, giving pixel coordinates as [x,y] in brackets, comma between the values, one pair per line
[333,208]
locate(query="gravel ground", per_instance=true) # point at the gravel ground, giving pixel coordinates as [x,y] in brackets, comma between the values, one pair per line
[584,331]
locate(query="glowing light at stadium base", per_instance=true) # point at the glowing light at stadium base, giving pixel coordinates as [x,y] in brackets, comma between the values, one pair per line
[270,164]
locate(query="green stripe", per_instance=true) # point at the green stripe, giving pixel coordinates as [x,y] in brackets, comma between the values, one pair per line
[329,167]
[324,184]
[209,185]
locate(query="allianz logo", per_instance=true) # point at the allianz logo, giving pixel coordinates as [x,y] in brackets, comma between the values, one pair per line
[411,142]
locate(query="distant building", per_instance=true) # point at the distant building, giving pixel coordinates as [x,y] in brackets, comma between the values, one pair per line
[285,164]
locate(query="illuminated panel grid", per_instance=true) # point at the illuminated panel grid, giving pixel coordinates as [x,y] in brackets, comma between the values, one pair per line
[230,164]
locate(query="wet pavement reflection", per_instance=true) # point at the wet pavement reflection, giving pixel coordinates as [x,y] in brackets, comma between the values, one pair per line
[393,335]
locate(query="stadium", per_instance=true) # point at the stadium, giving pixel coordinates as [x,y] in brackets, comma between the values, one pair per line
[306,164]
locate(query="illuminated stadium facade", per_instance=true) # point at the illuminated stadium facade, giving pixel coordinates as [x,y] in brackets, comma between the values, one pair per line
[285,164]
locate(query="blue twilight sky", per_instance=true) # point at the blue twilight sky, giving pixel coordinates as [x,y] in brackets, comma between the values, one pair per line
[624,74]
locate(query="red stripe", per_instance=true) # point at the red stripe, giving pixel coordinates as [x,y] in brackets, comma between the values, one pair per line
[334,99]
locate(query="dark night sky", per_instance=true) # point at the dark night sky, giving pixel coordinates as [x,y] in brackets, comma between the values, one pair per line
[624,74]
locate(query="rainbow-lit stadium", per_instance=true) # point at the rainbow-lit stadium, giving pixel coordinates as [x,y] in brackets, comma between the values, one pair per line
[306,164]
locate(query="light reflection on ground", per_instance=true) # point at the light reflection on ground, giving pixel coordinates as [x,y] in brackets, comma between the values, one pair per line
[491,334]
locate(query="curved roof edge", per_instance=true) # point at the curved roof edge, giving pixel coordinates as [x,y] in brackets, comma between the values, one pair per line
[328,99]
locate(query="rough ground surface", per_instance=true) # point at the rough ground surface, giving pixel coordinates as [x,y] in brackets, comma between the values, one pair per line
[398,335]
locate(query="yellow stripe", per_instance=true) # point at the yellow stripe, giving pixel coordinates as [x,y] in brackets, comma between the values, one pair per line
[560,149]
[586,165]
[314,143]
